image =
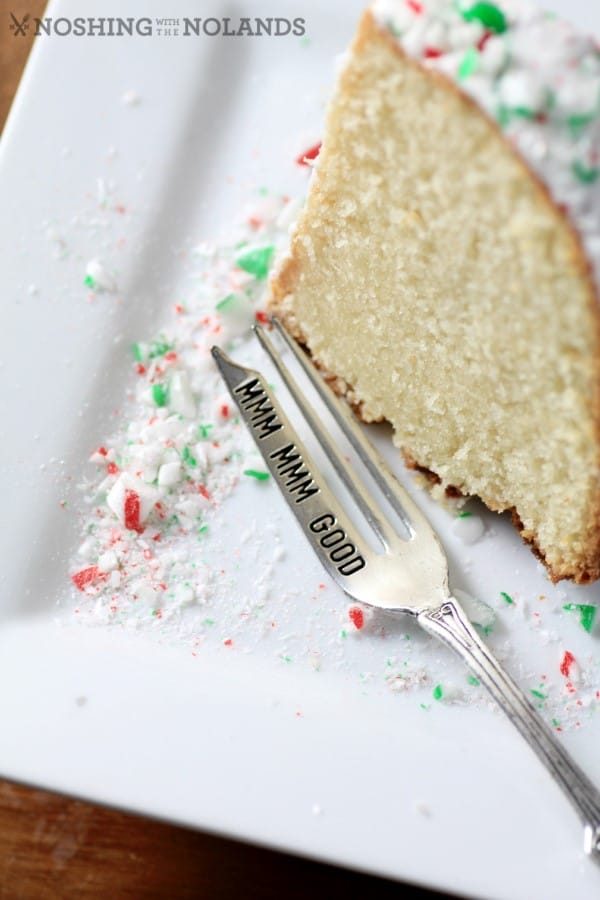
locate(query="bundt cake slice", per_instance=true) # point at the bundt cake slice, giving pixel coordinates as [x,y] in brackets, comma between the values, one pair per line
[445,266]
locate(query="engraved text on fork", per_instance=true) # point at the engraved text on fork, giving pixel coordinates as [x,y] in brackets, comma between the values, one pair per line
[334,541]
[293,474]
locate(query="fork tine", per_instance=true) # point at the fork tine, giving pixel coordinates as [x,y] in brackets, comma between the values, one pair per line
[402,504]
[323,520]
[352,483]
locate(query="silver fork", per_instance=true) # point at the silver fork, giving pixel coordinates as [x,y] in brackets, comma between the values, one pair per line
[409,575]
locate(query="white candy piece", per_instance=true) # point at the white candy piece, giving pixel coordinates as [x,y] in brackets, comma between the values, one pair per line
[192,507]
[116,496]
[86,549]
[469,529]
[201,456]
[184,595]
[145,594]
[102,280]
[170,474]
[181,399]
[522,90]
[237,316]
[108,561]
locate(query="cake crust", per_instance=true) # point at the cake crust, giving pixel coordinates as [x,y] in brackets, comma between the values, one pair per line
[586,567]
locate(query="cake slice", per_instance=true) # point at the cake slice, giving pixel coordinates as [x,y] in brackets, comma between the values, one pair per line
[444,270]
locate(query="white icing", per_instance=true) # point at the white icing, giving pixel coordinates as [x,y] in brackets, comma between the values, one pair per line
[538,78]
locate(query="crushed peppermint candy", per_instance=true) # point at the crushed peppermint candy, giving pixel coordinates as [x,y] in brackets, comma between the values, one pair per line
[357,617]
[310,155]
[97,277]
[567,664]
[162,478]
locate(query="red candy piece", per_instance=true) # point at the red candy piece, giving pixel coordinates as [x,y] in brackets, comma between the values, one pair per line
[357,617]
[566,663]
[132,511]
[483,41]
[84,577]
[432,52]
[309,155]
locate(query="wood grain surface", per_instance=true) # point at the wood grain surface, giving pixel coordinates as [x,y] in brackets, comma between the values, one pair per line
[57,847]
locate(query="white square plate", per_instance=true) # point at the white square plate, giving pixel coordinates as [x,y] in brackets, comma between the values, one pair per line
[323,764]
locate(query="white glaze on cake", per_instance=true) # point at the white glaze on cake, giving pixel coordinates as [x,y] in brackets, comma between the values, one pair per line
[532,73]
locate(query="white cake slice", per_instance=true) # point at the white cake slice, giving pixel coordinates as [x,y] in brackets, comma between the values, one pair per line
[444,270]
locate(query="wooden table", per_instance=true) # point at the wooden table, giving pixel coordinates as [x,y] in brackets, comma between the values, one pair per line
[57,847]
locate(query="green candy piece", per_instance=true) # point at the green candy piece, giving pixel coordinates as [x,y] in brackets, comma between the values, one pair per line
[438,693]
[204,431]
[159,394]
[256,261]
[89,282]
[260,476]
[489,15]
[159,348]
[468,64]
[507,598]
[587,614]
[188,458]
[579,123]
[226,303]
[583,174]
[523,112]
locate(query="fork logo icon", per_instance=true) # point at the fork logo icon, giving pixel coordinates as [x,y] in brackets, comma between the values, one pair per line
[19,28]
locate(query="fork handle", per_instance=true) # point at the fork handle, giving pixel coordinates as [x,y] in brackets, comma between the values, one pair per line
[450,624]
